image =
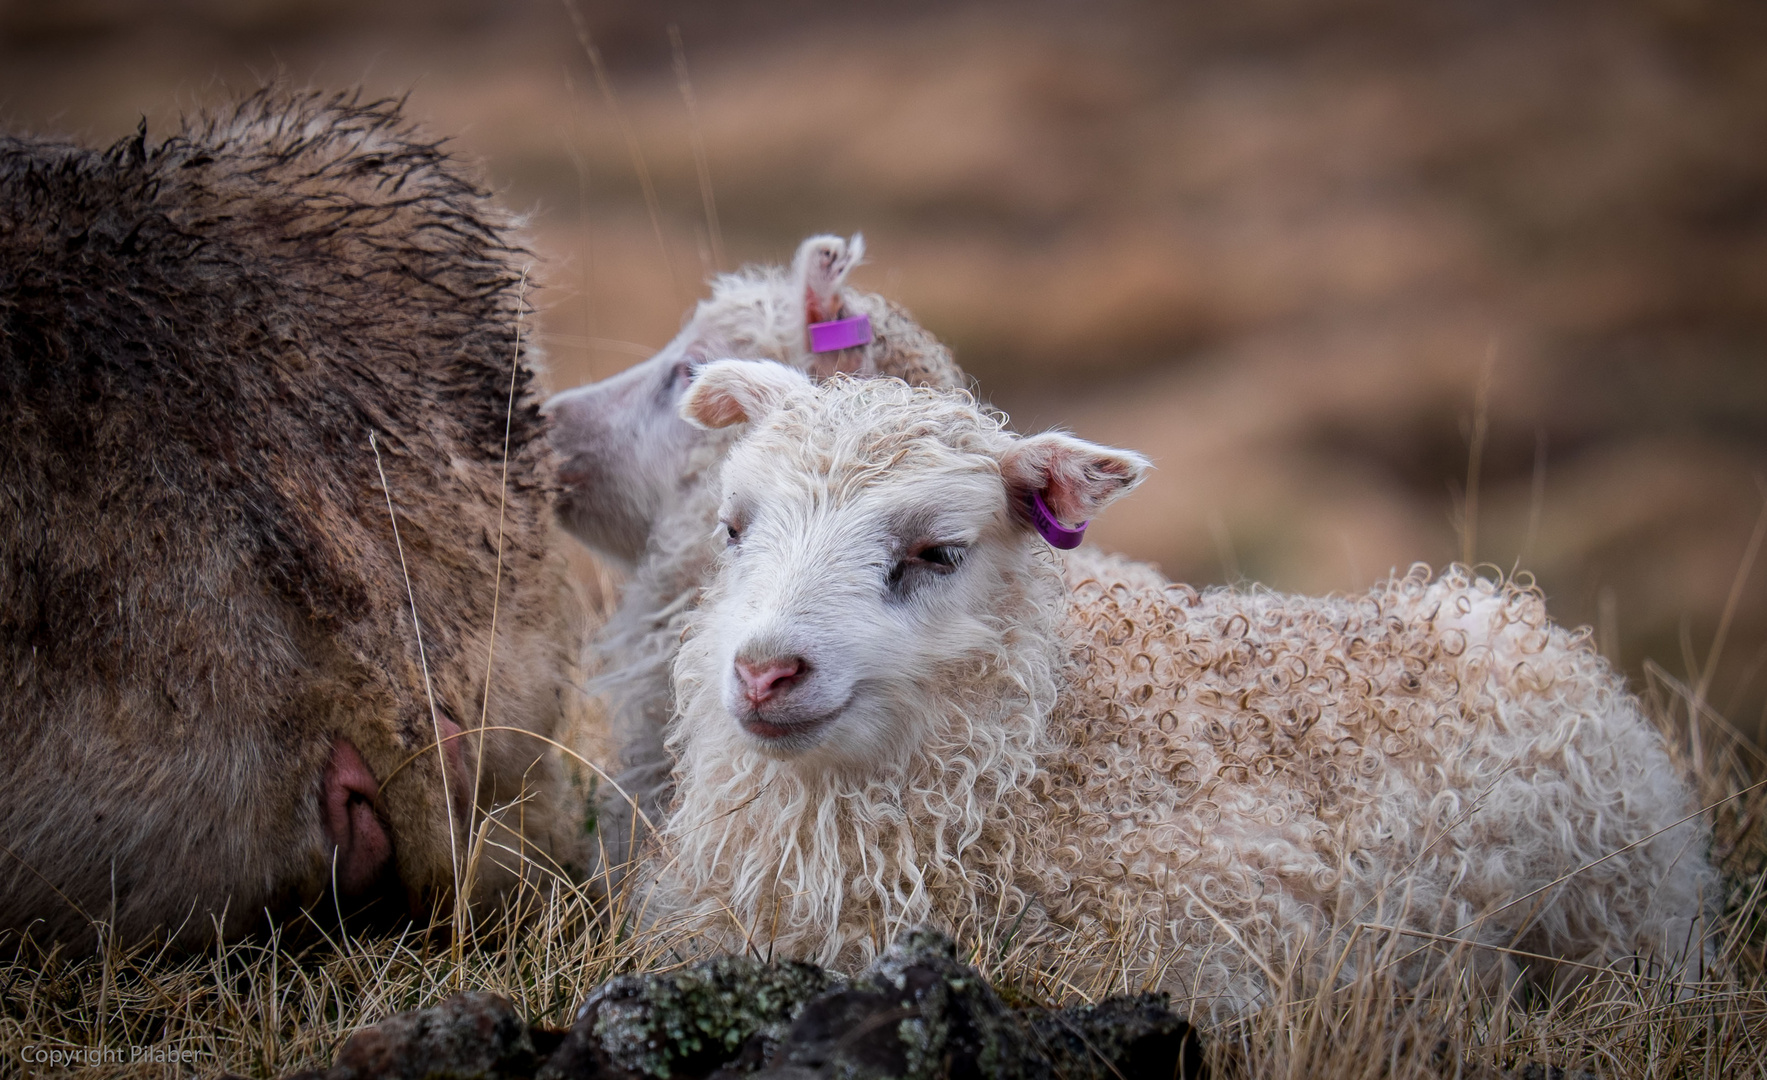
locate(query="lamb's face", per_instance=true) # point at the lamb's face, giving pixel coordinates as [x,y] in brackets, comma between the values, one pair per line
[626,454]
[624,450]
[841,591]
[875,540]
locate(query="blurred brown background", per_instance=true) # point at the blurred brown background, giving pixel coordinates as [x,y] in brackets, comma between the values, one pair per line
[1301,253]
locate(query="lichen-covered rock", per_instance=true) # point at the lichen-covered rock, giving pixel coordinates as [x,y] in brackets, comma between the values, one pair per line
[915,1014]
[686,1023]
[471,1036]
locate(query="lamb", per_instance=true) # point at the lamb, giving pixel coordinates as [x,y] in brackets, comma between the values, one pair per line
[640,485]
[897,704]
[217,702]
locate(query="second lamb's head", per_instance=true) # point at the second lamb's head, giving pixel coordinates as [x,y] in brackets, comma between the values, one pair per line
[879,553]
[627,459]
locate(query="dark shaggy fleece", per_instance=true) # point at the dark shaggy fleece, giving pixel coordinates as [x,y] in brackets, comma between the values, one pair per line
[213,699]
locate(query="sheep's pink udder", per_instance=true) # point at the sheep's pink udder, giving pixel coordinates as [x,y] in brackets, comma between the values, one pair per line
[361,845]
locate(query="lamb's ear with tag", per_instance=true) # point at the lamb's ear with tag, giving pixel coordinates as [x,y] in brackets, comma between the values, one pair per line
[819,276]
[728,392]
[819,271]
[1075,478]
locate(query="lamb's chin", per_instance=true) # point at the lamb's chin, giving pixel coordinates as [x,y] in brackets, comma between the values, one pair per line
[789,739]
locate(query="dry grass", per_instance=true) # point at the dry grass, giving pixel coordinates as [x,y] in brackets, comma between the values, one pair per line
[286,999]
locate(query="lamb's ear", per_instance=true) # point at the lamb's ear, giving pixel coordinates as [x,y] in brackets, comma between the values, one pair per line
[729,392]
[820,269]
[1076,478]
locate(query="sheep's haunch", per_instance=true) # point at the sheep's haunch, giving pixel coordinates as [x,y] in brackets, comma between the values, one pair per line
[898,703]
[233,630]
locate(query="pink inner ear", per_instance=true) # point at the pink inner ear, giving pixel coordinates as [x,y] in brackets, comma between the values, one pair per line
[1076,479]
[715,407]
[363,847]
[818,310]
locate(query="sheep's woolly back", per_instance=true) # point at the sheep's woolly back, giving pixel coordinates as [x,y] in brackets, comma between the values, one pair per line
[1205,791]
[1267,771]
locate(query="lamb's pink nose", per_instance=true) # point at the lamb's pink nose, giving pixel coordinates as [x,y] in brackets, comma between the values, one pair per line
[761,679]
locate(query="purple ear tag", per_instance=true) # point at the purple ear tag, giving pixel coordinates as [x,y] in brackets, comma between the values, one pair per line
[840,334]
[1058,535]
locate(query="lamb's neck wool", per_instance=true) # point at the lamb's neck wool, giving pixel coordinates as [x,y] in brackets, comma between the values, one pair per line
[634,648]
[829,864]
[632,654]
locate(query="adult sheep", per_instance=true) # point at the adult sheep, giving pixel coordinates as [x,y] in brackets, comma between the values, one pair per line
[231,679]
[897,704]
[640,483]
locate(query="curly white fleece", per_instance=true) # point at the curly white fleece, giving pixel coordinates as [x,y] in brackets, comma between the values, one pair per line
[1203,788]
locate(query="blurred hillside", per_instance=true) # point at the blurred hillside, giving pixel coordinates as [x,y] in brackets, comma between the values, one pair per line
[1278,245]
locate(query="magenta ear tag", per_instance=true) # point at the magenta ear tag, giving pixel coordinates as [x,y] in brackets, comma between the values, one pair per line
[1058,535]
[840,334]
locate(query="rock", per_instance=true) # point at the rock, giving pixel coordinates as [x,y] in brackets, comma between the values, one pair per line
[1122,1036]
[686,1023]
[915,1014]
[472,1036]
[919,1013]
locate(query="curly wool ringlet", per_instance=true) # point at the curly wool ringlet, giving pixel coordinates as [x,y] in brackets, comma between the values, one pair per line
[1204,789]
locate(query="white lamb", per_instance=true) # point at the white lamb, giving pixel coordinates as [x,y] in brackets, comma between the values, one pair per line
[898,705]
[640,483]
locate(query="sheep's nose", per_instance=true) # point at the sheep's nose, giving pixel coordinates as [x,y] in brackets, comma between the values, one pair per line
[762,679]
